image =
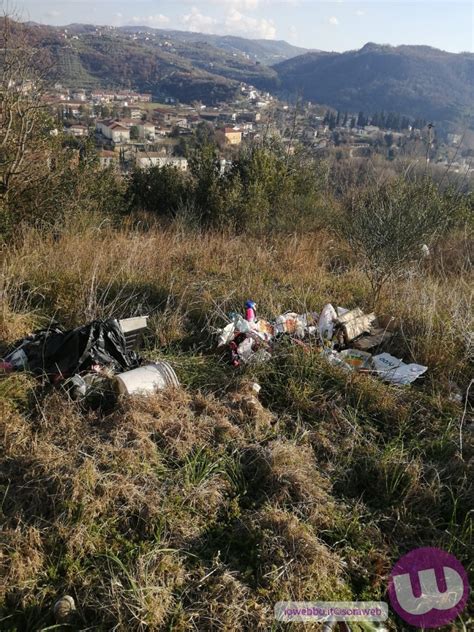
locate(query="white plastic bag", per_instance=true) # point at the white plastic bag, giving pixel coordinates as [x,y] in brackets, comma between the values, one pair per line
[396,371]
[327,321]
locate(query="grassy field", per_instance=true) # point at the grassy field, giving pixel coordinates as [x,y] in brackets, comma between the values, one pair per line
[194,509]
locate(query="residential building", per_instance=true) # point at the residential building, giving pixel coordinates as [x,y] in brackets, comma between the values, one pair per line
[99,96]
[233,136]
[108,159]
[146,130]
[454,139]
[182,123]
[145,160]
[114,131]
[136,113]
[77,130]
[73,108]
[80,96]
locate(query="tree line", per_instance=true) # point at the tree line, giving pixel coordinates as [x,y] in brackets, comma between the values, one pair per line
[391,120]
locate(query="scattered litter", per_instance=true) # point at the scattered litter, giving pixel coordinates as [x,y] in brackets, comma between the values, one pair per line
[298,324]
[59,354]
[88,385]
[357,360]
[92,362]
[250,313]
[16,361]
[344,337]
[396,371]
[64,608]
[327,322]
[355,323]
[252,340]
[147,379]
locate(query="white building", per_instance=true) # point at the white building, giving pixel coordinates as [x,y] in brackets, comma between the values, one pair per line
[77,130]
[114,131]
[145,160]
[108,159]
[80,95]
[146,130]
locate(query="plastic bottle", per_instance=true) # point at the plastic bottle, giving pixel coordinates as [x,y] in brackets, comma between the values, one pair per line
[250,313]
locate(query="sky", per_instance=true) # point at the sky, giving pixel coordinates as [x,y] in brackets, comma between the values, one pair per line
[335,25]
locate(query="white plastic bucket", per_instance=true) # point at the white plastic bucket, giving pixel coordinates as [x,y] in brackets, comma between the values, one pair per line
[147,379]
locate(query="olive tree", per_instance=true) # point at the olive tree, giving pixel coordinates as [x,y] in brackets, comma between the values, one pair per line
[387,224]
[25,125]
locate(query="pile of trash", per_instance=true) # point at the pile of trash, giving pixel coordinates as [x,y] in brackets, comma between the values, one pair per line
[344,336]
[91,361]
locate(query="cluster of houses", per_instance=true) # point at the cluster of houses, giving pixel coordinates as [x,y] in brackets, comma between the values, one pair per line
[130,132]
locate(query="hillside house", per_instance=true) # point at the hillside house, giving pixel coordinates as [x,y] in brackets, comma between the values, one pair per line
[146,130]
[454,139]
[166,116]
[249,117]
[143,98]
[136,113]
[99,96]
[77,130]
[80,96]
[233,136]
[145,160]
[114,131]
[73,108]
[181,123]
[108,159]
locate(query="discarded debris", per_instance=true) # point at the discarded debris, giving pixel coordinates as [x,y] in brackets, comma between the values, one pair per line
[92,362]
[252,341]
[327,323]
[147,379]
[358,360]
[396,371]
[343,336]
[64,608]
[59,354]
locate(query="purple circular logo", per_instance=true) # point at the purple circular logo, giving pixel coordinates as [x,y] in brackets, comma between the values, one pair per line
[428,587]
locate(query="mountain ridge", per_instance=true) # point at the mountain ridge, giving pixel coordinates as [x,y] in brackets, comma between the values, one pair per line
[414,80]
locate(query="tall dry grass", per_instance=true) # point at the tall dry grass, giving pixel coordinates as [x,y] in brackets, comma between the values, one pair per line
[189,281]
[194,510]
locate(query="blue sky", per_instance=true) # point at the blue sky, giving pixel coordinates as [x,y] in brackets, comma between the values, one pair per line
[328,25]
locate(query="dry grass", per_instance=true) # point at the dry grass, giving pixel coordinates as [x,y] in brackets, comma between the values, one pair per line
[199,508]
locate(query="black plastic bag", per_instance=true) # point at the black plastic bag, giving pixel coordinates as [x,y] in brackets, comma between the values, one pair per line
[60,354]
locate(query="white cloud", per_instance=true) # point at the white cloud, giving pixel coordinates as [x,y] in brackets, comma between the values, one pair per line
[244,5]
[333,21]
[235,21]
[149,20]
[53,14]
[196,21]
[359,12]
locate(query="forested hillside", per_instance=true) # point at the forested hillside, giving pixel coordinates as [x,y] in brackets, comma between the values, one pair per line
[416,81]
[412,80]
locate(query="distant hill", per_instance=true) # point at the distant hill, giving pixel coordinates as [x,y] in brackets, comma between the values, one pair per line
[416,81]
[413,80]
[266,52]
[148,60]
